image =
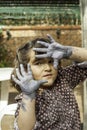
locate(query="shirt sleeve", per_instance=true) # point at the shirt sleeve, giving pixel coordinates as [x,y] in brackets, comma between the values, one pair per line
[74,75]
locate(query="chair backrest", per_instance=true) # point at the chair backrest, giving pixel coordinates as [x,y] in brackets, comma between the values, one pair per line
[5,73]
[8,110]
[5,109]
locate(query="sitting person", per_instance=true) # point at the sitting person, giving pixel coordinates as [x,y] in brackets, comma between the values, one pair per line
[47,100]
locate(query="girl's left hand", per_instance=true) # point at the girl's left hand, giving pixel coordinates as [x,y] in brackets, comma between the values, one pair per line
[53,50]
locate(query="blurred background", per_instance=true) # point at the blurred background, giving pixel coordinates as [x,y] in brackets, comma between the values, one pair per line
[24,20]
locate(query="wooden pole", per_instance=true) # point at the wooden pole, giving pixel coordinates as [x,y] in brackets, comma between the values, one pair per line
[83,4]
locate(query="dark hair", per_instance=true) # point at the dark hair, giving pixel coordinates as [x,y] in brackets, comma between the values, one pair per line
[22,52]
[22,56]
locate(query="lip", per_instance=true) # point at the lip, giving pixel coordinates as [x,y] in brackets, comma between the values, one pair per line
[47,75]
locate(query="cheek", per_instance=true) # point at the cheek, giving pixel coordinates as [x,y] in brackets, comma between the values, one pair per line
[55,73]
[36,73]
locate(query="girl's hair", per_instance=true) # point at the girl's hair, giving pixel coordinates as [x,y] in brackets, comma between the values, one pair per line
[22,56]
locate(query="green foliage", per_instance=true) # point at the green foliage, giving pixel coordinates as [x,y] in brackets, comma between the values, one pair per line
[40,15]
[3,56]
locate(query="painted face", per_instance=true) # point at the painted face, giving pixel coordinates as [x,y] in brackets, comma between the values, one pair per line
[42,69]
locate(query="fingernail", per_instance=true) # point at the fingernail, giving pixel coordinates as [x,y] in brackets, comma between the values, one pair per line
[12,75]
[16,69]
[55,66]
[38,41]
[21,65]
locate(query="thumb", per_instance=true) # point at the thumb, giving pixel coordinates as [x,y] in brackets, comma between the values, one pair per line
[55,63]
[42,82]
[50,38]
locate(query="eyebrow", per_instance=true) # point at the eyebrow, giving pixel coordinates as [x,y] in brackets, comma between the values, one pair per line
[36,60]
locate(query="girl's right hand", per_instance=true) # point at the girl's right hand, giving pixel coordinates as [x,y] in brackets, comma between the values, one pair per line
[26,81]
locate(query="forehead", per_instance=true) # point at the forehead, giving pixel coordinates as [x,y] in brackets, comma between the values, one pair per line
[32,55]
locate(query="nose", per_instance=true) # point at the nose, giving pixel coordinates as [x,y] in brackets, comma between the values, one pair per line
[47,66]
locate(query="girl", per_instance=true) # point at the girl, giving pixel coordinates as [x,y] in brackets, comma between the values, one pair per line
[47,101]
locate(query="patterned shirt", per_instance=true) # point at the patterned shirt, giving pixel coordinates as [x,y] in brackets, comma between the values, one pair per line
[56,107]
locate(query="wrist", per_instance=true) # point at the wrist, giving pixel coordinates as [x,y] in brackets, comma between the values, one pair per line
[68,52]
[29,96]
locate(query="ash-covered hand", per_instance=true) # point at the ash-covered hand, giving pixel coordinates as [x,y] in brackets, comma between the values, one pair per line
[26,81]
[53,50]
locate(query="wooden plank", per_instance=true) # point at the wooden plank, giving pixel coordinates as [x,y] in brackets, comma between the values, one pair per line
[4,94]
[85,105]
[38,27]
[7,123]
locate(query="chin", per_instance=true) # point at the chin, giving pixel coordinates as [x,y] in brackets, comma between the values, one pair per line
[48,84]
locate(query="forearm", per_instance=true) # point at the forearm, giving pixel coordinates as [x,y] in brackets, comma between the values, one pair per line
[26,118]
[26,115]
[78,54]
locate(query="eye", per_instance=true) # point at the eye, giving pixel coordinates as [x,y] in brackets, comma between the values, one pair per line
[51,61]
[38,63]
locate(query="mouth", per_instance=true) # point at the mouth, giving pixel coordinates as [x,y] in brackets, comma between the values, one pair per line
[48,75]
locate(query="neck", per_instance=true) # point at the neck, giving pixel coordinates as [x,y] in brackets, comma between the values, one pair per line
[41,90]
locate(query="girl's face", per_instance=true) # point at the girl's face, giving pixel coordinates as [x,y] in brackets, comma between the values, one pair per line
[42,69]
